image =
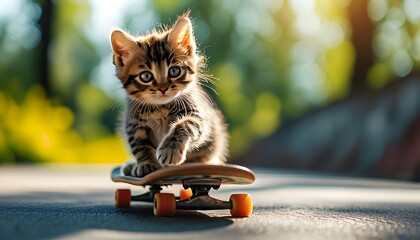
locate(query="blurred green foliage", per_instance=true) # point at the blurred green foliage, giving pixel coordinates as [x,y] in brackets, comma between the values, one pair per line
[274,61]
[38,131]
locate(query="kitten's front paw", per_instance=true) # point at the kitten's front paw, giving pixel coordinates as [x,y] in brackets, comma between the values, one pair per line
[133,168]
[172,152]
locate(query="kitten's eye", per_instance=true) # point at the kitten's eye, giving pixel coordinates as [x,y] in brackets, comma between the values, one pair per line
[174,72]
[146,77]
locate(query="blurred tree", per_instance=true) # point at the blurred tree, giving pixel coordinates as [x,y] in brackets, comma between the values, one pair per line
[19,35]
[45,24]
[362,33]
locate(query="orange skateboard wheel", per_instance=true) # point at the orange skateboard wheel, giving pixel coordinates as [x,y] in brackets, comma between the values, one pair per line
[122,198]
[164,205]
[184,194]
[241,205]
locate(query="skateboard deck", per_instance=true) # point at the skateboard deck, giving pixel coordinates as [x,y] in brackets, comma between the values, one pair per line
[197,179]
[226,173]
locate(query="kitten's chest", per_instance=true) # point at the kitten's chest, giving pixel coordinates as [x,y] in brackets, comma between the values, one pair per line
[159,121]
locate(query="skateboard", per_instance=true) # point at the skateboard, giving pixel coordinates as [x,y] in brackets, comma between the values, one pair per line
[196,179]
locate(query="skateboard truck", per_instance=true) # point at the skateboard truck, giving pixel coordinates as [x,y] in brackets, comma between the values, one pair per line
[211,183]
[200,200]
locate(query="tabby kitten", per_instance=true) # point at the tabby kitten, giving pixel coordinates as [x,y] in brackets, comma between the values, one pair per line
[169,118]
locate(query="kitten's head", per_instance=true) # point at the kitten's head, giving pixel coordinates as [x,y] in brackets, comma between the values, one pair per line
[158,67]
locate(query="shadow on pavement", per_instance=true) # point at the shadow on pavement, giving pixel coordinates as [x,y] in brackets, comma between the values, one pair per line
[41,215]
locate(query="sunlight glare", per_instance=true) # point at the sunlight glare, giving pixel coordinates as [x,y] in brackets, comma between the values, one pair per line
[377,9]
[411,8]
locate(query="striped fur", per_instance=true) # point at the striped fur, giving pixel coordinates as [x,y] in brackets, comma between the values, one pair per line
[169,120]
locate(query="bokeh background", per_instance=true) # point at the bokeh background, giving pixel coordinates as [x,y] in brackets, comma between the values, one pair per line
[304,84]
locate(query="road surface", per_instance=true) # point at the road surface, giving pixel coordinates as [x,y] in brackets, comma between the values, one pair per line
[77,202]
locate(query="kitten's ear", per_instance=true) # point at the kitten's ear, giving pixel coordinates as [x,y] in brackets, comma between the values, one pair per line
[181,34]
[123,46]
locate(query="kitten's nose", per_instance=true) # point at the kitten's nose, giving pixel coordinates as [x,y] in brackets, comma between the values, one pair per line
[162,90]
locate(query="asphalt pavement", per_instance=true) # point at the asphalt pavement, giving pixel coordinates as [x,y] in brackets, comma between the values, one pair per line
[77,202]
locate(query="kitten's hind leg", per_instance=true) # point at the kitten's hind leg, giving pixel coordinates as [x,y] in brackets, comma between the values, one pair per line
[139,169]
[143,150]
[127,167]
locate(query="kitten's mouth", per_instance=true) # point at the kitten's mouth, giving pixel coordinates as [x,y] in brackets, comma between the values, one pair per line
[163,98]
[166,95]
